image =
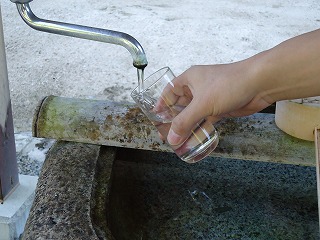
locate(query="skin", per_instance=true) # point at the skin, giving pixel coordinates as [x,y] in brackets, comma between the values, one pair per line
[290,70]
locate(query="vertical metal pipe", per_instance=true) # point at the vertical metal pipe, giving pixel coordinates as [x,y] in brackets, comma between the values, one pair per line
[9,178]
[317,146]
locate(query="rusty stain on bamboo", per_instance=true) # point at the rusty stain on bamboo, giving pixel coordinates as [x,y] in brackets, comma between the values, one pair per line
[124,125]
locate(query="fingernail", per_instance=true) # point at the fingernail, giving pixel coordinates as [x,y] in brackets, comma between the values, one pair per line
[173,138]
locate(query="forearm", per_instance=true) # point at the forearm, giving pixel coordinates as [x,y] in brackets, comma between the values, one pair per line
[290,70]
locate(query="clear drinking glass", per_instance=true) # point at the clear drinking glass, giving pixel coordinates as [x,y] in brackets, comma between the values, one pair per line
[156,92]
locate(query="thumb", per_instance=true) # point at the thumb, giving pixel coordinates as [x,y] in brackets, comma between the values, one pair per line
[183,124]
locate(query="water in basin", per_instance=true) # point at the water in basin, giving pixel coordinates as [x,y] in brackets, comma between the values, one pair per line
[157,196]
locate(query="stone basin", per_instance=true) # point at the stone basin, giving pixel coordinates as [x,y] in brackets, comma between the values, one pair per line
[98,192]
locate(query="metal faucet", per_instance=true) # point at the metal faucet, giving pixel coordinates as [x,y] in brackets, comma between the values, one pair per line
[78,31]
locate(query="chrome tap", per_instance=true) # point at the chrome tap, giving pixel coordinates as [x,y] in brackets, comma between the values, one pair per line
[85,32]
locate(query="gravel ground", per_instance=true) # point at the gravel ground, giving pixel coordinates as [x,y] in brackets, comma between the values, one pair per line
[172,33]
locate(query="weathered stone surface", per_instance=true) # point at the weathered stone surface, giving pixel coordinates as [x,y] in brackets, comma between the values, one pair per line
[101,192]
[62,204]
[156,196]
[88,192]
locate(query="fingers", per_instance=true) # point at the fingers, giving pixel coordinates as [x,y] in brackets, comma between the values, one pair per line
[161,104]
[213,119]
[178,94]
[183,124]
[163,138]
[173,94]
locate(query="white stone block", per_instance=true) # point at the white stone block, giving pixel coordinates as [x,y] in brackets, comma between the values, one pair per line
[15,209]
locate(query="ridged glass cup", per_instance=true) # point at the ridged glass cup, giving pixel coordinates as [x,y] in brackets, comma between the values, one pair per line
[202,140]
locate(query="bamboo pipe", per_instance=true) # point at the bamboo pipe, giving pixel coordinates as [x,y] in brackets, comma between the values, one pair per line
[255,137]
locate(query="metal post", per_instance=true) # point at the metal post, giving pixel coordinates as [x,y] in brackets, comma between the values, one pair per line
[9,178]
[317,146]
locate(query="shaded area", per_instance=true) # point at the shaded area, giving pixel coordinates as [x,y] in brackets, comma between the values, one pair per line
[9,178]
[157,196]
[269,109]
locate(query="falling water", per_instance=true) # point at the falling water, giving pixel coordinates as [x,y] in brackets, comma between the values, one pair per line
[140,73]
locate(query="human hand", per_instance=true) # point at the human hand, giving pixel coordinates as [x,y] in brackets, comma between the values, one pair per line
[290,70]
[211,92]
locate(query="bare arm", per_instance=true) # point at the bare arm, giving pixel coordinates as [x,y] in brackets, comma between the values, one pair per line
[288,71]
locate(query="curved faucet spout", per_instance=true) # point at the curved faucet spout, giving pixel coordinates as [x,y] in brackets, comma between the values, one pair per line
[90,33]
